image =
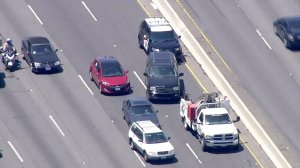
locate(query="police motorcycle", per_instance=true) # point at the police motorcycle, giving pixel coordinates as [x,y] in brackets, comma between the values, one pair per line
[9,58]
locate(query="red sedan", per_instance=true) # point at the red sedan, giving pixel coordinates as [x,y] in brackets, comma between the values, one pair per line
[109,75]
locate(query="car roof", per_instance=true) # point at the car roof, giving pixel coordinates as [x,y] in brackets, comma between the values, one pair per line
[162,58]
[138,101]
[148,126]
[158,24]
[37,40]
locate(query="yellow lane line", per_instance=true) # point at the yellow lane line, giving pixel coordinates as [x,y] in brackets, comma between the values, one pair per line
[201,32]
[251,152]
[199,82]
[143,8]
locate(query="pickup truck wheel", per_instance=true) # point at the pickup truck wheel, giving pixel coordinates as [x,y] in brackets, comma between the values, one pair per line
[131,144]
[203,144]
[146,159]
[185,125]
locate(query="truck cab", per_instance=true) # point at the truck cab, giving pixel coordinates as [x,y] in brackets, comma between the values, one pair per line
[216,129]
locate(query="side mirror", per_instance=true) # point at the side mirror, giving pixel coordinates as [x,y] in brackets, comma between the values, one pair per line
[181,74]
[238,118]
[156,111]
[145,74]
[56,50]
[126,71]
[169,138]
[179,36]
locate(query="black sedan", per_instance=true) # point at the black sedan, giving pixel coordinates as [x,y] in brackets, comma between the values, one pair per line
[139,109]
[288,30]
[40,55]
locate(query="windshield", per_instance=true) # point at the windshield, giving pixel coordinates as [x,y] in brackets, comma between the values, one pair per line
[142,110]
[158,137]
[41,49]
[217,119]
[163,71]
[112,69]
[163,36]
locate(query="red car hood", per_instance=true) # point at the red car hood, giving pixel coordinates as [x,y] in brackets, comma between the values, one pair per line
[115,80]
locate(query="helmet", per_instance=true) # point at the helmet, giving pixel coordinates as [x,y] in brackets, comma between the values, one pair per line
[8,41]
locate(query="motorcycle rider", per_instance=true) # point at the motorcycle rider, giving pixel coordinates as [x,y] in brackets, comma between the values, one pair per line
[8,46]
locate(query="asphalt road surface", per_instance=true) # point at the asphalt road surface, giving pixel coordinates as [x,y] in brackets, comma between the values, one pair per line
[56,121]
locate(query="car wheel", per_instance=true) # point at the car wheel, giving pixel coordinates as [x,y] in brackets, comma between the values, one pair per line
[131,144]
[185,125]
[31,67]
[275,30]
[203,144]
[99,85]
[146,159]
[140,44]
[91,76]
[286,43]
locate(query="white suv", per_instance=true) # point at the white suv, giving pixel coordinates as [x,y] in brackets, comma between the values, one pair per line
[150,140]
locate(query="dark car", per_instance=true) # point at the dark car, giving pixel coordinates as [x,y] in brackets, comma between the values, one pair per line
[156,34]
[109,75]
[40,55]
[288,30]
[139,109]
[162,77]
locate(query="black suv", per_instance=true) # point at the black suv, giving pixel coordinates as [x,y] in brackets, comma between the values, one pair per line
[162,77]
[156,34]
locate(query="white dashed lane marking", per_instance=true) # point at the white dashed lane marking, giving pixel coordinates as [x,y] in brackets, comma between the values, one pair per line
[35,14]
[87,8]
[54,122]
[16,152]
[139,79]
[85,84]
[263,39]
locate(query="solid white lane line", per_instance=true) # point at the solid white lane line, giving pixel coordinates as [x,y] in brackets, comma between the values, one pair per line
[62,133]
[193,153]
[16,152]
[139,158]
[263,39]
[85,84]
[139,79]
[87,8]
[35,14]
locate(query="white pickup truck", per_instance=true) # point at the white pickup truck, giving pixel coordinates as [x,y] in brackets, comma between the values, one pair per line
[209,119]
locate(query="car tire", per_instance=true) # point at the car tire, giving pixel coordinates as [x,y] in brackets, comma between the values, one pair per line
[99,85]
[91,76]
[185,125]
[140,44]
[203,144]
[286,43]
[31,67]
[145,156]
[275,30]
[131,144]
